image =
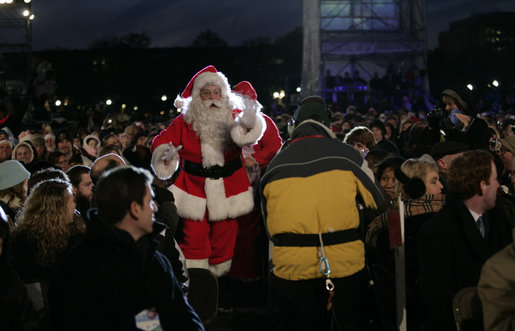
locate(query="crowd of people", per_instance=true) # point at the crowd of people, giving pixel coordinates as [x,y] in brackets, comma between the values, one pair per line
[102,226]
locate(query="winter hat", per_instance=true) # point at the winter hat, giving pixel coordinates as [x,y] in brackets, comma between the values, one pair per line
[464,98]
[88,138]
[63,135]
[246,89]
[444,148]
[6,142]
[386,145]
[49,136]
[37,140]
[313,107]
[26,144]
[207,76]
[248,95]
[509,143]
[12,172]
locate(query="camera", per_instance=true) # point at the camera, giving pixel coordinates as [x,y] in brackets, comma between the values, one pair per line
[436,114]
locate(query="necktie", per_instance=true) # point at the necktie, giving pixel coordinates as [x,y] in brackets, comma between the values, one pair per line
[481,226]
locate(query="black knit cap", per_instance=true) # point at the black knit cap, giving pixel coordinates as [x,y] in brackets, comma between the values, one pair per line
[465,99]
[63,134]
[444,148]
[313,107]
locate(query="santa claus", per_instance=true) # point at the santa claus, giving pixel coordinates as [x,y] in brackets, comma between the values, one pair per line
[249,257]
[212,188]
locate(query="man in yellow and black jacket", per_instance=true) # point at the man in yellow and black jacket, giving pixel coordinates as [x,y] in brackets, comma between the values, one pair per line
[309,194]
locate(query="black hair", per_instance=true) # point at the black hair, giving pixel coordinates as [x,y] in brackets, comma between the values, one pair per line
[75,172]
[117,189]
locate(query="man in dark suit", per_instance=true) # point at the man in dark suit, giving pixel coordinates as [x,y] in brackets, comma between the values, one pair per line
[454,244]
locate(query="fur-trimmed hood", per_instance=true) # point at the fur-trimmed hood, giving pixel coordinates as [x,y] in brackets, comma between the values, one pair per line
[26,144]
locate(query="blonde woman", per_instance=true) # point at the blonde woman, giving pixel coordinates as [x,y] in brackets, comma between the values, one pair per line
[418,185]
[421,201]
[43,232]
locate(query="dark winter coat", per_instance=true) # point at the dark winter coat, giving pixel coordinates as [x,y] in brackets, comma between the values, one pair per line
[451,252]
[107,279]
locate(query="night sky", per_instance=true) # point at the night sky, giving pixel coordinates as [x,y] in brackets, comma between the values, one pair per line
[75,24]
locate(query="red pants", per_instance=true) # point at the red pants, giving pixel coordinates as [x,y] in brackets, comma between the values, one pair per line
[209,240]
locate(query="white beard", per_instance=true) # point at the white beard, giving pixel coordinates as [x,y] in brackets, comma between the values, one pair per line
[212,125]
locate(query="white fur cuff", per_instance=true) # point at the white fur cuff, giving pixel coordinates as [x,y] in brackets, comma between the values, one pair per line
[197,263]
[160,169]
[242,137]
[221,269]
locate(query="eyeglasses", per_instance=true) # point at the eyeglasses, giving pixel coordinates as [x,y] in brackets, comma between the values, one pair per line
[207,93]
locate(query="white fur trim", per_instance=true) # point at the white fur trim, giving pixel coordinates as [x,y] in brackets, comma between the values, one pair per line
[158,165]
[210,78]
[179,102]
[188,206]
[220,207]
[242,137]
[197,263]
[221,269]
[211,156]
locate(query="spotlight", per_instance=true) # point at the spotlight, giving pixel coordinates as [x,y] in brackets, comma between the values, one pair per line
[470,86]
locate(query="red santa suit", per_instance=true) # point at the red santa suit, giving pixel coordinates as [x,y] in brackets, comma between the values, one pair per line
[212,188]
[249,252]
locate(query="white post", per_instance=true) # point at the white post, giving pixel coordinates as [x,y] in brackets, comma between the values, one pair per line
[400,274]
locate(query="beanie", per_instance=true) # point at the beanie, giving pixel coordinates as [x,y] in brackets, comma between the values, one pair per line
[313,107]
[12,172]
[509,143]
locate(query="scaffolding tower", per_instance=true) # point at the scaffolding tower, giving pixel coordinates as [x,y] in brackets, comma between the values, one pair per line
[15,45]
[342,39]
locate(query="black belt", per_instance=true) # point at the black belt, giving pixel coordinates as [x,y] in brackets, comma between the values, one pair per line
[312,240]
[214,172]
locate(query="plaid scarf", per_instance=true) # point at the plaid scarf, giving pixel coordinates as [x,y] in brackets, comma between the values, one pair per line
[429,203]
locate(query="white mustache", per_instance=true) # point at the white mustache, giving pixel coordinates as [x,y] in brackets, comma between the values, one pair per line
[209,103]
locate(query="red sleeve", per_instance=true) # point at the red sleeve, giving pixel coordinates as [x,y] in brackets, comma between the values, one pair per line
[266,148]
[171,134]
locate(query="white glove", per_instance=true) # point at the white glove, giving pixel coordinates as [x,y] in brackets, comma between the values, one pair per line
[171,152]
[247,119]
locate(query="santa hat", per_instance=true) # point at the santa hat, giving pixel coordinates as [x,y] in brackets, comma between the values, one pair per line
[248,95]
[246,89]
[207,76]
